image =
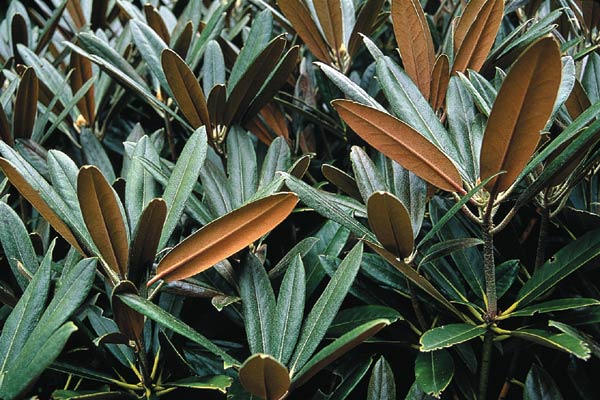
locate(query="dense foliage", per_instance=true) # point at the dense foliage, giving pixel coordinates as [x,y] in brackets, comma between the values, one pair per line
[303,199]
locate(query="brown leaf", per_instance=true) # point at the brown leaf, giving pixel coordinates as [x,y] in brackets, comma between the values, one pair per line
[146,239]
[578,101]
[475,33]
[224,236]
[76,13]
[300,167]
[401,143]
[26,105]
[182,44]
[440,78]
[389,220]
[253,79]
[156,22]
[34,198]
[217,101]
[19,35]
[130,322]
[365,21]
[82,72]
[264,377]
[186,89]
[299,16]
[103,218]
[341,180]
[414,42]
[5,132]
[329,13]
[522,108]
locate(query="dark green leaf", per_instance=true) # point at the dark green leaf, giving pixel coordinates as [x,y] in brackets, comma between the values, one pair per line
[434,371]
[449,335]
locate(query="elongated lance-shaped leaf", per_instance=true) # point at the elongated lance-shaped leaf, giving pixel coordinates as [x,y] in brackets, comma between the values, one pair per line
[341,180]
[555,305]
[391,223]
[440,77]
[521,109]
[434,371]
[82,72]
[17,244]
[23,178]
[475,33]
[560,341]
[185,88]
[167,320]
[300,18]
[25,105]
[401,143]
[264,377]
[578,101]
[145,241]
[566,261]
[289,311]
[224,237]
[24,317]
[258,305]
[539,385]
[318,320]
[129,321]
[338,348]
[382,385]
[95,154]
[156,22]
[5,131]
[368,177]
[241,166]
[367,19]
[329,13]
[449,335]
[414,42]
[150,46]
[103,218]
[182,181]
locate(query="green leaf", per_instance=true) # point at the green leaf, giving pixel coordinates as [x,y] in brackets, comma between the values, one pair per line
[447,247]
[182,181]
[539,385]
[368,178]
[17,244]
[141,186]
[214,73]
[382,385]
[336,349]
[449,335]
[215,382]
[350,318]
[321,204]
[95,154]
[323,312]
[591,77]
[258,305]
[278,158]
[555,305]
[434,371]
[241,166]
[24,317]
[289,311]
[566,261]
[22,374]
[561,341]
[167,320]
[150,46]
[352,91]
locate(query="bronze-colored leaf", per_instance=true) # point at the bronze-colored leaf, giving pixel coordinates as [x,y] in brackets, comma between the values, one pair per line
[19,35]
[76,13]
[82,72]
[401,143]
[341,180]
[103,218]
[26,105]
[145,240]
[264,377]
[440,79]
[299,16]
[475,33]
[300,167]
[98,15]
[156,22]
[217,102]
[329,13]
[365,22]
[34,198]
[5,132]
[182,43]
[390,221]
[522,108]
[252,81]
[414,42]
[578,101]
[130,322]
[268,124]
[185,88]
[224,236]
